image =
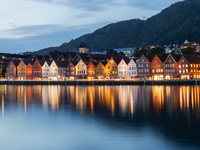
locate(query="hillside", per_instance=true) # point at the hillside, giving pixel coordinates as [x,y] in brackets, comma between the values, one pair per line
[174,24]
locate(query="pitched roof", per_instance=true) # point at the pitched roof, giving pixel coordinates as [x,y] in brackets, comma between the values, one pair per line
[49,62]
[61,63]
[41,62]
[117,60]
[150,58]
[162,57]
[74,62]
[192,59]
[176,57]
[16,62]
[26,62]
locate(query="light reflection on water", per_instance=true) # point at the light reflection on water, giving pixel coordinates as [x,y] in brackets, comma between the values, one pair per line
[100,117]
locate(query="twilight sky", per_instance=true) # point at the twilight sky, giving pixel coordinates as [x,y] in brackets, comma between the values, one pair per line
[30,25]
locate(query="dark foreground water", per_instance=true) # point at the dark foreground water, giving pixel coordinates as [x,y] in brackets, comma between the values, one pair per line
[99,117]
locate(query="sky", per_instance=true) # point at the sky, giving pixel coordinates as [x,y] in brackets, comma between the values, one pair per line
[31,25]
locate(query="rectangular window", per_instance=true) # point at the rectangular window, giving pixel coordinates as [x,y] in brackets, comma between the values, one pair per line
[147,65]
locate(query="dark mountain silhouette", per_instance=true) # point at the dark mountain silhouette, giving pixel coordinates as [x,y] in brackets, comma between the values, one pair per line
[174,24]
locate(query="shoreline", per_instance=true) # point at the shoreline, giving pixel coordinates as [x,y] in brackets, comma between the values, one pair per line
[111,82]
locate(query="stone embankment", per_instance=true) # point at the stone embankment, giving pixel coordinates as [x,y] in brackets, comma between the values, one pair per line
[108,82]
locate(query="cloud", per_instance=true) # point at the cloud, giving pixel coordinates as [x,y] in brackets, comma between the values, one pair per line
[25,18]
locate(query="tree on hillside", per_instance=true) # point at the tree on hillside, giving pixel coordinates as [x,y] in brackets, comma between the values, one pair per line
[156,51]
[193,40]
[189,51]
[111,52]
[139,53]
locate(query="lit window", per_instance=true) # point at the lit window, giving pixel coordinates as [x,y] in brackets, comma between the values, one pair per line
[153,71]
[191,70]
[182,61]
[196,65]
[186,70]
[179,71]
[183,71]
[183,66]
[191,65]
[179,66]
[186,65]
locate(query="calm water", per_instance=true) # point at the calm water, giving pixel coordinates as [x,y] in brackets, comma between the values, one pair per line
[99,117]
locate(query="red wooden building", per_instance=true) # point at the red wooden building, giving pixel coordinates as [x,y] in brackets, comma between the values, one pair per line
[157,66]
[91,70]
[189,67]
[37,69]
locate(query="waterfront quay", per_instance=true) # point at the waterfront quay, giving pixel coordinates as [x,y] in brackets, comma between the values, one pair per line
[101,82]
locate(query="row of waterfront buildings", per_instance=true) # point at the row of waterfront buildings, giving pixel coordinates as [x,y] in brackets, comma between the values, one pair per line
[72,66]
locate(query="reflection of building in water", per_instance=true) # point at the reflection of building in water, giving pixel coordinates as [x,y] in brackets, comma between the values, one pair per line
[45,96]
[54,97]
[81,97]
[111,98]
[158,98]
[91,96]
[127,98]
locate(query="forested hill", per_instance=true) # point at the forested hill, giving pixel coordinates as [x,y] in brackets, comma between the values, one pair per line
[174,24]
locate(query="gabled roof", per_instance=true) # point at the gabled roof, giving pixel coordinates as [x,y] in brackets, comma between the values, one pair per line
[16,62]
[41,62]
[61,63]
[26,62]
[49,62]
[162,57]
[117,60]
[74,62]
[94,63]
[150,58]
[176,57]
[192,59]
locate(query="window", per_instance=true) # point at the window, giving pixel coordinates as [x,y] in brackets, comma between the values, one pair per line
[182,61]
[138,65]
[156,61]
[153,71]
[183,66]
[186,70]
[142,60]
[191,70]
[152,66]
[141,65]
[170,61]
[67,68]
[108,67]
[147,65]
[179,71]
[183,70]
[191,65]
[179,66]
